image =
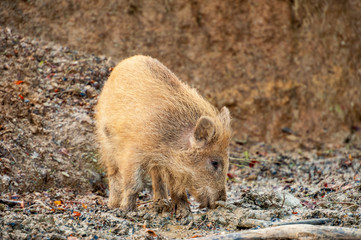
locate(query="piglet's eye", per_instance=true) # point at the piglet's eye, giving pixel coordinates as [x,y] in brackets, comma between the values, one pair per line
[215,164]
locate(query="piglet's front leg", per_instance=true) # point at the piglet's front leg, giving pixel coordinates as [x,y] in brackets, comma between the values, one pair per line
[132,182]
[160,192]
[180,205]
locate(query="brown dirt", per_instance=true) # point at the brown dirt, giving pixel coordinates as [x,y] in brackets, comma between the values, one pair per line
[276,64]
[47,95]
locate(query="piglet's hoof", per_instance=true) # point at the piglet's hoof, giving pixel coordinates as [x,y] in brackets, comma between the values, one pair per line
[181,210]
[162,205]
[128,207]
[113,203]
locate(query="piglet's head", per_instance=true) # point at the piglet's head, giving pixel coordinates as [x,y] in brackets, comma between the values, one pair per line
[208,157]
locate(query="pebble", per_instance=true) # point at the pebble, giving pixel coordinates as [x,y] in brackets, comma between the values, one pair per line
[289,199]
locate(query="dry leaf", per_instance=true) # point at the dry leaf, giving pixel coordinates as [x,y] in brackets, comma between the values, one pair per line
[151,232]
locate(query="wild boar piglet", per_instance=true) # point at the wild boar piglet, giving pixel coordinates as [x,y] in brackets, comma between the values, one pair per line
[149,122]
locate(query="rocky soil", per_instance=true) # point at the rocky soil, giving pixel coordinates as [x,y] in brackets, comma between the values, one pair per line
[52,187]
[266,187]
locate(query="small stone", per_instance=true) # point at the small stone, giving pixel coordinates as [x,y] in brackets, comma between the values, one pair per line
[289,199]
[33,129]
[6,66]
[222,221]
[147,216]
[49,220]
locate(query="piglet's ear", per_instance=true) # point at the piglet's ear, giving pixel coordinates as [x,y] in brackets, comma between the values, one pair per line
[203,132]
[225,117]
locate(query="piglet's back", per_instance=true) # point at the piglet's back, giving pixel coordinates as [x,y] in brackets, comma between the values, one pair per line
[143,100]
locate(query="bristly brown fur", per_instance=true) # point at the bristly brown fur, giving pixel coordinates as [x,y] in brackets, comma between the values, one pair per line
[149,122]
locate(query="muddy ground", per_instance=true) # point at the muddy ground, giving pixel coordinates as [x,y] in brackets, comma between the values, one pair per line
[53,188]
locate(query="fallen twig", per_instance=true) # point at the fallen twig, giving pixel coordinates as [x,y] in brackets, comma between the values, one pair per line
[12,203]
[317,221]
[6,147]
[252,223]
[350,204]
[298,231]
[341,191]
[284,199]
[43,205]
[224,204]
[145,202]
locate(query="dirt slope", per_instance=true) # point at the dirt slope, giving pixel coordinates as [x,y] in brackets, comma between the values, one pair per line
[291,65]
[47,94]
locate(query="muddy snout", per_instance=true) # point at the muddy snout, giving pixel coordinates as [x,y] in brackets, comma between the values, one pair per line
[208,200]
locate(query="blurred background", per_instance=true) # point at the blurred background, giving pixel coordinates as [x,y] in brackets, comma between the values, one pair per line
[289,71]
